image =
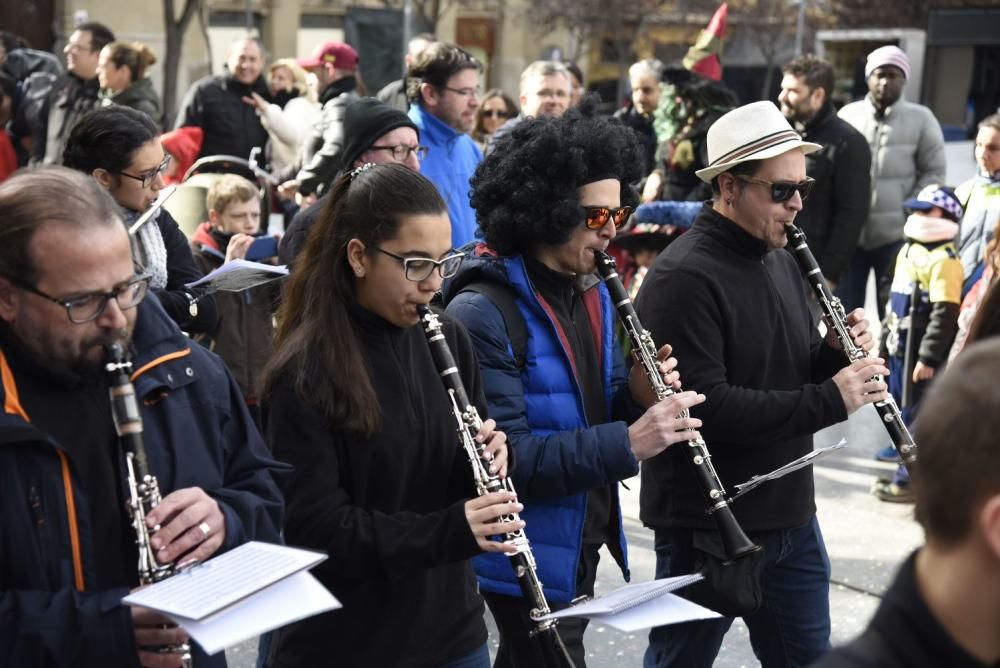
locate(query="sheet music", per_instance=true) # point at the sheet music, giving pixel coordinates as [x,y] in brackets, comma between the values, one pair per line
[239,275]
[803,461]
[627,596]
[660,611]
[294,598]
[220,582]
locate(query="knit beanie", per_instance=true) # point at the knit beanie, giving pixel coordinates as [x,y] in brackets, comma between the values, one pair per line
[366,120]
[887,55]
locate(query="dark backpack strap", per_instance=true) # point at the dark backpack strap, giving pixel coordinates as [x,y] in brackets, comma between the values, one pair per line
[505,300]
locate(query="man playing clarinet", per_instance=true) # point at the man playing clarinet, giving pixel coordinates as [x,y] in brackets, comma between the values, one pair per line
[731,302]
[68,289]
[553,192]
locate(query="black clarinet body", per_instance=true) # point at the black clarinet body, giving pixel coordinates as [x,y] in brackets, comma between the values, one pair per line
[836,318]
[735,542]
[468,424]
[143,487]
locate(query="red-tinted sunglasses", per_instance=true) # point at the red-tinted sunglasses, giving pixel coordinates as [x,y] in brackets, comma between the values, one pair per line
[598,216]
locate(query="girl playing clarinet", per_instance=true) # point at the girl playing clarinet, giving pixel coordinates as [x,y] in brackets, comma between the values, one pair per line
[356,405]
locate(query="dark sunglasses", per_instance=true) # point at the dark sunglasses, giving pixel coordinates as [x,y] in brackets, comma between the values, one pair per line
[495,113]
[598,216]
[782,191]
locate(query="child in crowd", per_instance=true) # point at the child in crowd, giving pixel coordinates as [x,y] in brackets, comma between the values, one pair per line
[922,313]
[245,329]
[974,299]
[980,196]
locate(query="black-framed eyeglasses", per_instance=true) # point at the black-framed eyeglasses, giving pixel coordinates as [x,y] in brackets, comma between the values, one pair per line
[598,216]
[782,191]
[401,152]
[464,92]
[495,113]
[147,178]
[418,269]
[90,306]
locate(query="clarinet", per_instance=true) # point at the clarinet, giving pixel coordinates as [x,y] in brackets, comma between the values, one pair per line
[468,424]
[837,319]
[143,488]
[734,541]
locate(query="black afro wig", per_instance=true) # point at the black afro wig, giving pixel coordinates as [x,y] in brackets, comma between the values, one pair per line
[525,191]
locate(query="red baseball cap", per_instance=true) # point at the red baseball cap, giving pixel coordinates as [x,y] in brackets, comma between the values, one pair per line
[341,55]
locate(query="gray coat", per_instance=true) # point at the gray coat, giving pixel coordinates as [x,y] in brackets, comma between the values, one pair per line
[907,148]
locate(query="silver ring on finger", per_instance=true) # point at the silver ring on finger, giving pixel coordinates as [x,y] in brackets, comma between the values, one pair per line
[205,530]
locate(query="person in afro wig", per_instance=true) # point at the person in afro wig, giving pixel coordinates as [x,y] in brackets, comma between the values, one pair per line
[554,191]
[525,191]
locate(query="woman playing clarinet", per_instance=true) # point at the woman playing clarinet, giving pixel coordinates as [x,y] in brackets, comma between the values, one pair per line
[356,405]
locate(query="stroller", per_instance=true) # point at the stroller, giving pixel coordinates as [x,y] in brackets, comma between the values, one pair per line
[187,205]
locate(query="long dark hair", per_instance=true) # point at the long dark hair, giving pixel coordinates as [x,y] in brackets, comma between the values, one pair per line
[316,344]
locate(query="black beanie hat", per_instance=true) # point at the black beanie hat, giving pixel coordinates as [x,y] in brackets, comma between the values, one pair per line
[366,120]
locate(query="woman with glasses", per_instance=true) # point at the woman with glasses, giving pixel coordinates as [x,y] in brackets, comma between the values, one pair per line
[553,192]
[120,148]
[495,109]
[356,405]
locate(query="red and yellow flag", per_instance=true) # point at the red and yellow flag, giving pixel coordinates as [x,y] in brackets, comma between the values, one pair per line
[703,57]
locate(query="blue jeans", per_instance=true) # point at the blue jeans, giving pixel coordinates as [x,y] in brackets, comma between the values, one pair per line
[854,282]
[792,627]
[477,658]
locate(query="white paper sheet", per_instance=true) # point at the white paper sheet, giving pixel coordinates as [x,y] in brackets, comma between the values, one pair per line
[290,600]
[626,597]
[222,581]
[239,275]
[660,611]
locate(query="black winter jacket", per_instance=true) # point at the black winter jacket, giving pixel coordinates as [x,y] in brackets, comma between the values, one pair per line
[197,433]
[389,510]
[181,270]
[837,208]
[737,318]
[904,633]
[231,126]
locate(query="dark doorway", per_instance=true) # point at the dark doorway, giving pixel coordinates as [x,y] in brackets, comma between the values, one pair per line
[31,19]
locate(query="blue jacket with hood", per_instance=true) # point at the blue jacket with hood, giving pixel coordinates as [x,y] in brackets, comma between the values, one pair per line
[560,457]
[197,434]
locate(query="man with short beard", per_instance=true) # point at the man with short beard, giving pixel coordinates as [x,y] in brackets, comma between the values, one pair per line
[68,288]
[907,148]
[222,105]
[443,87]
[838,205]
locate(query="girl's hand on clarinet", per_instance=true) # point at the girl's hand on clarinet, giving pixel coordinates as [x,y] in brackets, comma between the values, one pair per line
[483,513]
[639,385]
[496,445]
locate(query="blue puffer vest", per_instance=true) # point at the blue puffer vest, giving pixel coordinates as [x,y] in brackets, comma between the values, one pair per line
[558,456]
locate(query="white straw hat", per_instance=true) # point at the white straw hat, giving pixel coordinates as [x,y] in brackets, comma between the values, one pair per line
[754,131]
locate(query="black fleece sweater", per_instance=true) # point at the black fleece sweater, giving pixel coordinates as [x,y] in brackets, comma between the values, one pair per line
[389,510]
[737,318]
